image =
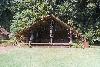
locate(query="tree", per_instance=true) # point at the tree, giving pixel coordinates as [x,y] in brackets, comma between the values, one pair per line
[84,14]
[6,14]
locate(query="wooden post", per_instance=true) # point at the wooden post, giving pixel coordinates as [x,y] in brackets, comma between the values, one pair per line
[85,43]
[51,33]
[70,34]
[31,39]
[29,44]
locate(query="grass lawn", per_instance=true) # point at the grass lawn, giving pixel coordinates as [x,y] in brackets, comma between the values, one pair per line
[51,57]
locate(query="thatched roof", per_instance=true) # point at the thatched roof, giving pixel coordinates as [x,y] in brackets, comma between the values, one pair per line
[43,21]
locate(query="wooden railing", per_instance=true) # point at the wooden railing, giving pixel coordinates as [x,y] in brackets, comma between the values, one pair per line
[47,44]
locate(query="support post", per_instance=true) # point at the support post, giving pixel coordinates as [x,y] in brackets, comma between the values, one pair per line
[70,36]
[29,44]
[31,38]
[85,43]
[51,33]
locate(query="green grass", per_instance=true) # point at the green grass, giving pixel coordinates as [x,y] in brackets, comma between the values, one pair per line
[51,57]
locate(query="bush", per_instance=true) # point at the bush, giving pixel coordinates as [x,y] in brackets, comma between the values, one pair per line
[77,45]
[6,42]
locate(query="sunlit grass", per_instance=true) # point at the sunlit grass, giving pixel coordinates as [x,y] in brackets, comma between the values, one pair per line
[51,57]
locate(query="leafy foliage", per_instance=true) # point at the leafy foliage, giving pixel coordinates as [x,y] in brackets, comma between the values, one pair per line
[5,13]
[26,13]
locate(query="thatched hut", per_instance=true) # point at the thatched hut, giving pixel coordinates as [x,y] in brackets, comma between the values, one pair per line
[49,30]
